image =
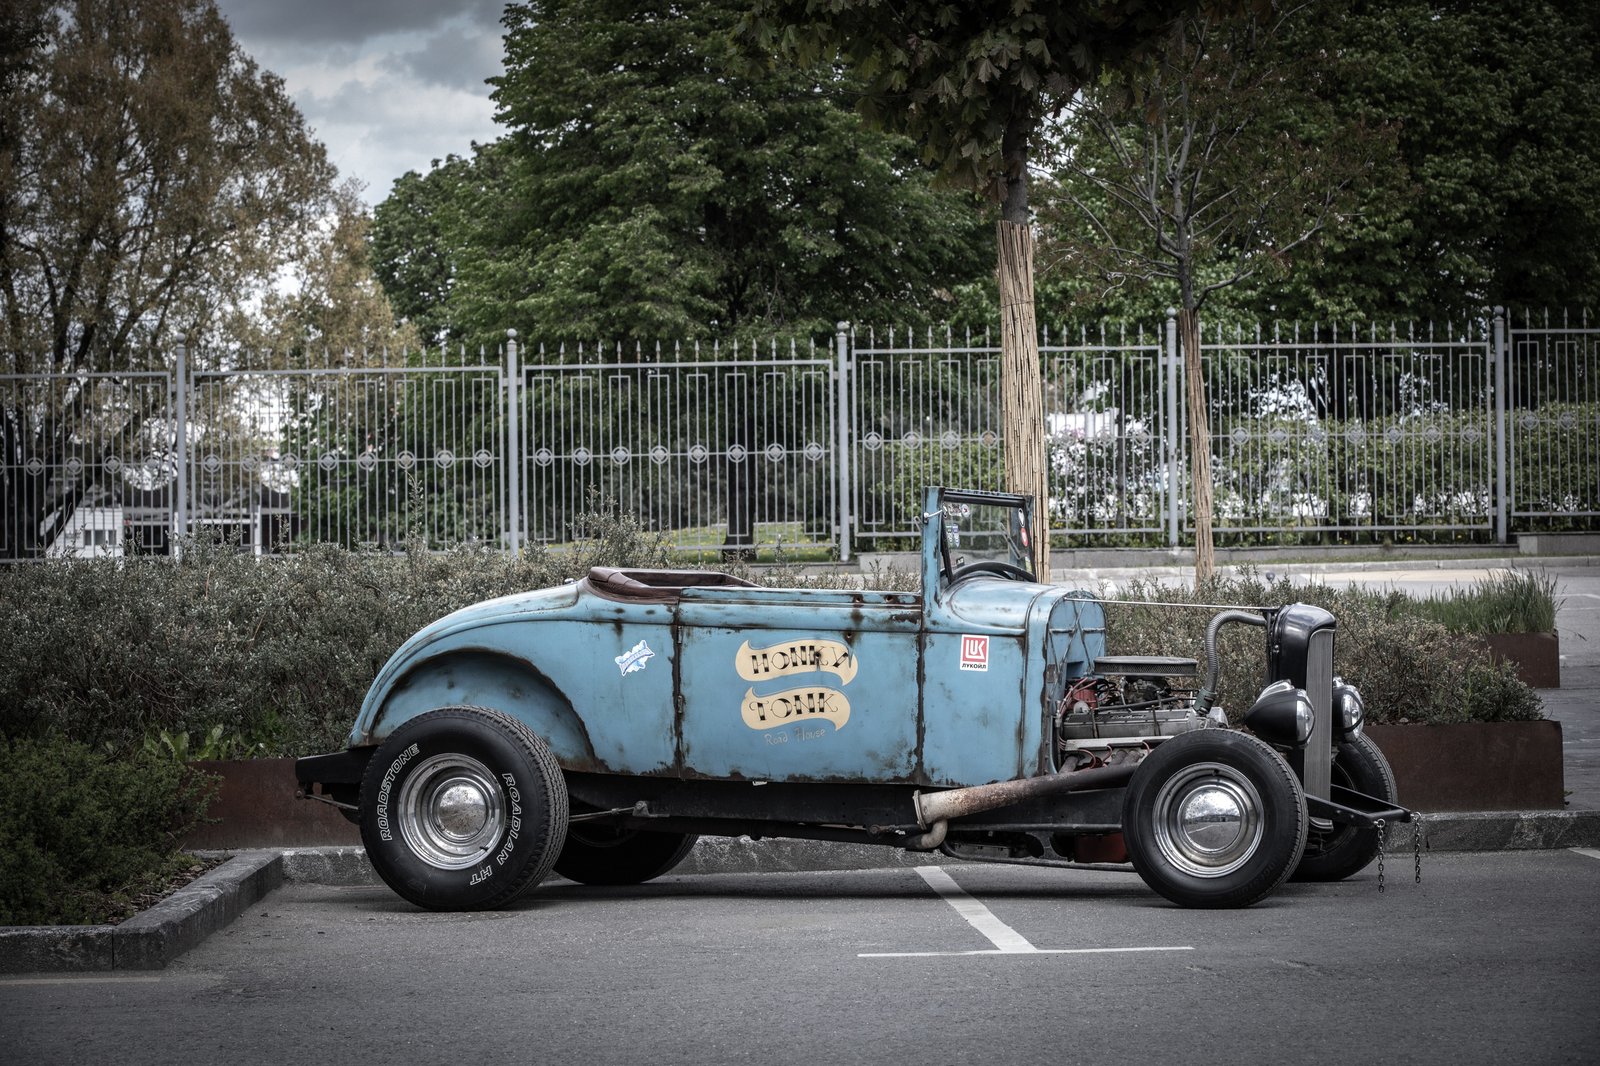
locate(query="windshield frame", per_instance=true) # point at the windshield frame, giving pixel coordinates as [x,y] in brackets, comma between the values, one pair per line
[956,506]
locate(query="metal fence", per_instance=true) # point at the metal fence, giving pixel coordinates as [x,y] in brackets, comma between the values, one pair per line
[1476,431]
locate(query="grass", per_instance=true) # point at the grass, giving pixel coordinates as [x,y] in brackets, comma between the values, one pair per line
[1513,601]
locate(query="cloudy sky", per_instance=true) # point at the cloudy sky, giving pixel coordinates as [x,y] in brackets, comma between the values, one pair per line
[388,85]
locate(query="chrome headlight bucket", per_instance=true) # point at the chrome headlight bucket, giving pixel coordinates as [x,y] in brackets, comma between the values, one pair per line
[1348,706]
[1282,715]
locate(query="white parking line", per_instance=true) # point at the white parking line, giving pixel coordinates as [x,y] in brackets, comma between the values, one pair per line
[1591,852]
[1006,940]
[1001,935]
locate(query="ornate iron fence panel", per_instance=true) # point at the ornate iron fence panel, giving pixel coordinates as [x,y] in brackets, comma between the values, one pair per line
[920,415]
[86,463]
[929,413]
[356,451]
[1375,432]
[718,453]
[1553,421]
[1108,423]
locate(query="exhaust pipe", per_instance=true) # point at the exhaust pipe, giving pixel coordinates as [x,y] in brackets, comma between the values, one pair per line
[935,808]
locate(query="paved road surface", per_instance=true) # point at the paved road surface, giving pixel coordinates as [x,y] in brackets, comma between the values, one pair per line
[1491,959]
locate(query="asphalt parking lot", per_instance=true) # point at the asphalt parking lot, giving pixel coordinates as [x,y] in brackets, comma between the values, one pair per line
[1491,958]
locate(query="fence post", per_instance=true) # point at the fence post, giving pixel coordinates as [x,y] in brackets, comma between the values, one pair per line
[1169,359]
[513,399]
[180,487]
[841,340]
[1502,484]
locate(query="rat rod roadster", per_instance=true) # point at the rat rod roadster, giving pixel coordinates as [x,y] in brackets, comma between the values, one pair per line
[599,727]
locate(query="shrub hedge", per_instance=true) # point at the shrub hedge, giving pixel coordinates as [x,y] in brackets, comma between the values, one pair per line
[1408,667]
[278,653]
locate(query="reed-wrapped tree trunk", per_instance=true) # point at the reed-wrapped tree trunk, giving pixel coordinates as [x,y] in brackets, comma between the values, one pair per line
[1205,564]
[1022,386]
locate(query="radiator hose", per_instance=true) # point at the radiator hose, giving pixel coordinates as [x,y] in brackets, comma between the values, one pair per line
[1208,691]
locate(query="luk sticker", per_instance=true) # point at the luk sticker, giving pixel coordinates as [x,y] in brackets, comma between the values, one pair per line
[634,659]
[975,653]
[805,656]
[796,705]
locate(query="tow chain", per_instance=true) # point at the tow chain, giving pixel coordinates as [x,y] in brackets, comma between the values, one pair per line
[1383,846]
[1416,847]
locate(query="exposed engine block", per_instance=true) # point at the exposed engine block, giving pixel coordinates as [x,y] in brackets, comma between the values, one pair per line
[1129,696]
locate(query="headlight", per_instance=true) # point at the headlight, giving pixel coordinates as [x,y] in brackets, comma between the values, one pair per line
[1347,701]
[1282,714]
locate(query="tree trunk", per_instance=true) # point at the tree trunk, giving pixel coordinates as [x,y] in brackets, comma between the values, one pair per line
[1205,564]
[1022,386]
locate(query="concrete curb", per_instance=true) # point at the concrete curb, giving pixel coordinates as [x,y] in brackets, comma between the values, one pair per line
[153,938]
[1510,830]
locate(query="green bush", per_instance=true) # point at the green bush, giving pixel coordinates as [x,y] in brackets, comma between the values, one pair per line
[1409,668]
[226,654]
[278,653]
[84,832]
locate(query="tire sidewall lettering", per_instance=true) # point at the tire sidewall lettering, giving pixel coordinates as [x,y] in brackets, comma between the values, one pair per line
[390,776]
[514,822]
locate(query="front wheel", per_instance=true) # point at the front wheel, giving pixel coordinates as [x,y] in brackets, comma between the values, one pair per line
[1337,853]
[1214,818]
[463,808]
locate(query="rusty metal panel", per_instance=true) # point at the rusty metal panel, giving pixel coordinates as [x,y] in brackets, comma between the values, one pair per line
[797,691]
[979,726]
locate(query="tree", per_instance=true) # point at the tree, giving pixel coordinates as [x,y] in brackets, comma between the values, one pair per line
[1228,168]
[971,83]
[652,185]
[153,175]
[1492,193]
[443,250]
[329,300]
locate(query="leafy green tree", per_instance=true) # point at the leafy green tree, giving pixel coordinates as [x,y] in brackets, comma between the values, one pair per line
[972,83]
[1494,192]
[441,246]
[653,185]
[1230,165]
[153,176]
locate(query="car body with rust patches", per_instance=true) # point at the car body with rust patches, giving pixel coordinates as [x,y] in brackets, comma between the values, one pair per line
[599,727]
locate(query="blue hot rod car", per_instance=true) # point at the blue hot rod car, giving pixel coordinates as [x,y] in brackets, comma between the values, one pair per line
[597,728]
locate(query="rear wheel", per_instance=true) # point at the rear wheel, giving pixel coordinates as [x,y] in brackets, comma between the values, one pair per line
[1214,818]
[1337,853]
[608,855]
[463,809]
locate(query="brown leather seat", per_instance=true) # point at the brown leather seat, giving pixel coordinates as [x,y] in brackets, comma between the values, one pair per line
[658,586]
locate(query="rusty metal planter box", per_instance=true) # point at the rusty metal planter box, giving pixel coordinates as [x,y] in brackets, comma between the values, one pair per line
[255,807]
[1475,766]
[1536,656]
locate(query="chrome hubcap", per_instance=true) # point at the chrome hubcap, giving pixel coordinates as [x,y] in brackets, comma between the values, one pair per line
[1208,820]
[451,811]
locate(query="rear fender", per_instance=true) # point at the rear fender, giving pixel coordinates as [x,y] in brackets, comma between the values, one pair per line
[481,679]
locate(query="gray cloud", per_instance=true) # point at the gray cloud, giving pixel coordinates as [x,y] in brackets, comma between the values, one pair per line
[455,59]
[329,21]
[387,86]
